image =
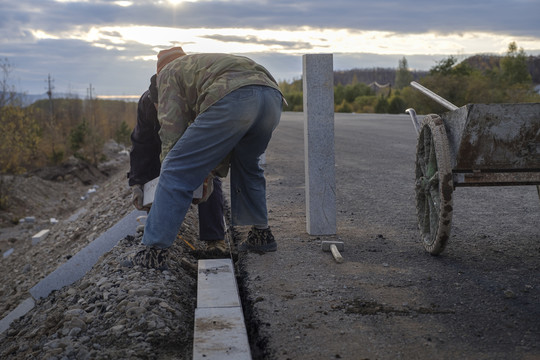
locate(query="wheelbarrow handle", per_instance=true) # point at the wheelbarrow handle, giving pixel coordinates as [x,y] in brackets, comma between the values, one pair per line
[447,104]
[414,119]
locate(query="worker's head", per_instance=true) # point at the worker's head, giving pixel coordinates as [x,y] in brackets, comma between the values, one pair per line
[153,93]
[166,56]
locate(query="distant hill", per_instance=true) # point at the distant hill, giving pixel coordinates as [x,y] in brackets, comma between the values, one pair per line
[488,62]
[382,76]
[533,62]
[388,75]
[29,99]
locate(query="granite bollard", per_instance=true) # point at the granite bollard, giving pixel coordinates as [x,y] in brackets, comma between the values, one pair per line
[318,87]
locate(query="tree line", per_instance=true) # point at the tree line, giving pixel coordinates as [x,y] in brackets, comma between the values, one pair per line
[49,131]
[479,79]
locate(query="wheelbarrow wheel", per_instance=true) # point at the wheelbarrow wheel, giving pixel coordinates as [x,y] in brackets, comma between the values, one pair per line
[433,184]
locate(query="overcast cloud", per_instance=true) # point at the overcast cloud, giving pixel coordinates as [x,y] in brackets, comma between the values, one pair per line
[83,42]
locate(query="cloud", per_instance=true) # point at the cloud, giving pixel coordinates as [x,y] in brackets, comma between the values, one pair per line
[79,42]
[290,45]
[75,64]
[516,17]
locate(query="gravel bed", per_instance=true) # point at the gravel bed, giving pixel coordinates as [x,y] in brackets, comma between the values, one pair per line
[113,312]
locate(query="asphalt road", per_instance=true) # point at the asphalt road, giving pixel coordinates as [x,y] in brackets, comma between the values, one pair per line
[390,299]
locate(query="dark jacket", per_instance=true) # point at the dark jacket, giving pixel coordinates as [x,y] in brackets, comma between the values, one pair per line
[144,157]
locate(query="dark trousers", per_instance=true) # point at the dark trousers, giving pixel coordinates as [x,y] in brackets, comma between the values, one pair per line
[211,221]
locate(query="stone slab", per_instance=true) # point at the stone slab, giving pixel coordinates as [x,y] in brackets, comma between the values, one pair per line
[8,252]
[78,265]
[28,219]
[149,191]
[318,89]
[216,285]
[40,236]
[78,213]
[220,334]
[21,310]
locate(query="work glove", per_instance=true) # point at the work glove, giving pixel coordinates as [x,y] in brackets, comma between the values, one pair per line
[208,188]
[137,195]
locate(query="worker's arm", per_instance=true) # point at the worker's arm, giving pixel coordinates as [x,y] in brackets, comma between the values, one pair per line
[145,144]
[174,113]
[145,149]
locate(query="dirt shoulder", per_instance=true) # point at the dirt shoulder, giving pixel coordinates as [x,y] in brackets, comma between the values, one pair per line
[75,207]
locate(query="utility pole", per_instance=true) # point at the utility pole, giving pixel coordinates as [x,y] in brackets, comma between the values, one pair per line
[93,131]
[50,88]
[89,91]
[52,126]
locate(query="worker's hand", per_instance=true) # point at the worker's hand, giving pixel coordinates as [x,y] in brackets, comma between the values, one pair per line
[208,188]
[137,194]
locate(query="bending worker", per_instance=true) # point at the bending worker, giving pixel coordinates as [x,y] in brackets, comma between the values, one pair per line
[145,165]
[215,111]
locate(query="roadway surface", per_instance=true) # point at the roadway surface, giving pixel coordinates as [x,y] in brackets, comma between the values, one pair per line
[390,299]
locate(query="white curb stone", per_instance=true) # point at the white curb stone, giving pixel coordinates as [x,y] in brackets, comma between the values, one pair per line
[78,265]
[220,334]
[216,286]
[149,191]
[16,313]
[40,236]
[220,331]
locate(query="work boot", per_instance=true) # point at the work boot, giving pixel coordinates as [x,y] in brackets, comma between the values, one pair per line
[217,246]
[150,258]
[259,241]
[214,250]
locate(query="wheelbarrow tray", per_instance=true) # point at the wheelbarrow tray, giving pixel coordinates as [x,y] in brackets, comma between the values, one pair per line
[494,144]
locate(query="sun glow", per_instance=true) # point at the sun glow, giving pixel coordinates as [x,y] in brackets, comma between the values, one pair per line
[177,2]
[124,3]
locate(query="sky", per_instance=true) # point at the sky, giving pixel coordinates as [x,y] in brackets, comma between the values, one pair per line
[111,46]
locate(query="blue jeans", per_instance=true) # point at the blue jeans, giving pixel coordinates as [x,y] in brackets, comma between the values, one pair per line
[241,124]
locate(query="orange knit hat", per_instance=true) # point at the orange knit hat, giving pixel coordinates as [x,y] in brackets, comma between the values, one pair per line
[166,56]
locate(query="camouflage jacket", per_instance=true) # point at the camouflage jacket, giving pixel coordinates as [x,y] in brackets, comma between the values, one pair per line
[189,85]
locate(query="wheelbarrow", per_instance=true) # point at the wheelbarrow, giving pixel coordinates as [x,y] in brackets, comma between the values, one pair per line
[472,145]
